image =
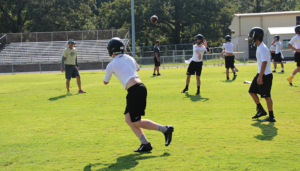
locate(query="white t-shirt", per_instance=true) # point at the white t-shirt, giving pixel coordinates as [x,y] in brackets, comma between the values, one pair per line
[263,54]
[278,47]
[124,67]
[228,47]
[296,41]
[272,48]
[198,50]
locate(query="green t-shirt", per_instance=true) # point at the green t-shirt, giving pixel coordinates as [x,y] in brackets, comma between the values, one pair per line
[70,55]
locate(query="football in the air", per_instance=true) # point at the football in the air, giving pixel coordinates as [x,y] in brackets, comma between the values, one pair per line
[153,19]
[232,31]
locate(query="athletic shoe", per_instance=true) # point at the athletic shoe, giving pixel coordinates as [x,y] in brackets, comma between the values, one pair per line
[154,74]
[274,71]
[69,93]
[184,90]
[234,77]
[144,148]
[158,74]
[281,71]
[259,114]
[236,70]
[168,135]
[268,119]
[198,92]
[81,92]
[290,79]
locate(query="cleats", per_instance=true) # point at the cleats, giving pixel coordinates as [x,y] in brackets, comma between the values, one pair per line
[234,77]
[268,119]
[289,79]
[184,90]
[259,114]
[81,92]
[69,93]
[282,71]
[158,74]
[198,92]
[168,135]
[274,71]
[144,148]
[154,74]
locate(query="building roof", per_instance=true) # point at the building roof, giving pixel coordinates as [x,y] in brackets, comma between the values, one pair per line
[282,30]
[266,13]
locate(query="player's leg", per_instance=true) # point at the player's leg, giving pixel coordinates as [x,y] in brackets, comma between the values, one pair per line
[154,71]
[190,71]
[282,67]
[234,73]
[68,86]
[275,65]
[227,73]
[198,84]
[253,91]
[294,73]
[157,69]
[198,74]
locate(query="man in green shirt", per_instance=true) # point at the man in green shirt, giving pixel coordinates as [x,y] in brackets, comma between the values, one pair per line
[70,66]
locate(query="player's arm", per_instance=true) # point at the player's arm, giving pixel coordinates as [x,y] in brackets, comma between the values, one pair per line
[156,55]
[108,74]
[199,54]
[207,48]
[264,59]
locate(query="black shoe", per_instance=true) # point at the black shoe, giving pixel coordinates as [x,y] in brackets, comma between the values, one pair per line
[234,77]
[168,135]
[227,78]
[236,70]
[144,148]
[274,71]
[259,114]
[184,90]
[158,74]
[198,92]
[281,71]
[154,74]
[268,119]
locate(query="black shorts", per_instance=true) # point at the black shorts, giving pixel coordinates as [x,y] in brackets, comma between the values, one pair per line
[136,101]
[278,57]
[272,56]
[265,89]
[71,71]
[194,67]
[229,61]
[297,58]
[156,63]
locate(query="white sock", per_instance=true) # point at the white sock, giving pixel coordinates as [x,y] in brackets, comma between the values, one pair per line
[161,128]
[143,139]
[292,75]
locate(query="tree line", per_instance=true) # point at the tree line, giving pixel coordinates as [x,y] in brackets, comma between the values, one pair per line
[178,20]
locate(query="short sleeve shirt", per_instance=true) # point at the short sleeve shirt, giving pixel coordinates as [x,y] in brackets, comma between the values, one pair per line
[278,47]
[272,48]
[70,55]
[124,67]
[262,55]
[295,40]
[156,49]
[228,47]
[198,50]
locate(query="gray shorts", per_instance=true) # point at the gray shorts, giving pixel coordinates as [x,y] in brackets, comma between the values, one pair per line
[71,71]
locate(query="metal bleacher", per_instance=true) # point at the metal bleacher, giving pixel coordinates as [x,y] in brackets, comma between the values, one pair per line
[35,52]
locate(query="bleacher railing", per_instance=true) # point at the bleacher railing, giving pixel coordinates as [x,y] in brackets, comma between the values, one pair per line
[65,35]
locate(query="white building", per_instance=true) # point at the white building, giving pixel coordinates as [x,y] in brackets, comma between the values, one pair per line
[273,23]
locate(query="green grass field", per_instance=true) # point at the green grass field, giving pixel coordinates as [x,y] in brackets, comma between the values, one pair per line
[43,129]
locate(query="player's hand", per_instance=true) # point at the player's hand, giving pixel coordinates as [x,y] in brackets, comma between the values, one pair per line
[297,50]
[221,55]
[205,42]
[78,68]
[199,57]
[259,81]
[62,70]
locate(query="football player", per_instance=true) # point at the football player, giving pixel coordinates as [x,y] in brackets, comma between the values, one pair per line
[278,55]
[296,41]
[229,57]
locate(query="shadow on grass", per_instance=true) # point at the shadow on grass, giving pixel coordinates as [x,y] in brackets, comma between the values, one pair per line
[195,98]
[60,97]
[268,131]
[227,81]
[124,162]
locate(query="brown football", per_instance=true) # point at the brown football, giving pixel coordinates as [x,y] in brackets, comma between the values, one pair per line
[153,19]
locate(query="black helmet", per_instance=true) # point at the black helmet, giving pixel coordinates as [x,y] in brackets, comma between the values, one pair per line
[115,46]
[297,29]
[200,37]
[255,34]
[276,37]
[228,38]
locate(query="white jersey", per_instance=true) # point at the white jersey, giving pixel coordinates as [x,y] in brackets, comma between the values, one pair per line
[272,48]
[124,67]
[198,50]
[278,47]
[262,55]
[228,47]
[295,40]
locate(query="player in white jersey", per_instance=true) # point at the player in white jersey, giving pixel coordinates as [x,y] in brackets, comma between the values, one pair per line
[296,41]
[278,55]
[229,57]
[195,65]
[272,51]
[125,68]
[262,82]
